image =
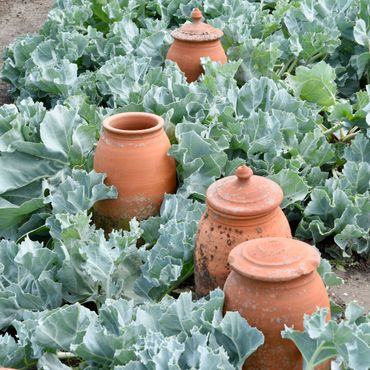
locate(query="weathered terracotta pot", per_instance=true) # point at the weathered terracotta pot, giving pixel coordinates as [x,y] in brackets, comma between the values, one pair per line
[132,151]
[193,41]
[274,282]
[239,208]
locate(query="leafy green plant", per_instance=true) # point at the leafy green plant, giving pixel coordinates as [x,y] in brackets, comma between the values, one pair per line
[293,102]
[176,332]
[322,340]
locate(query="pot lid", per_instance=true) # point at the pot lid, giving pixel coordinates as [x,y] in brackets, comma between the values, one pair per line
[274,259]
[197,31]
[244,195]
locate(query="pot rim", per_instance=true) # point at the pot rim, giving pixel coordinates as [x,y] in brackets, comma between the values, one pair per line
[127,118]
[241,217]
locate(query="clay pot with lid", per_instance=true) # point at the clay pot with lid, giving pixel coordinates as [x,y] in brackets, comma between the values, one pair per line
[132,151]
[273,282]
[239,208]
[193,41]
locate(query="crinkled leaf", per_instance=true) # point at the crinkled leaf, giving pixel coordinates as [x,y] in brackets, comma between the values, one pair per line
[315,84]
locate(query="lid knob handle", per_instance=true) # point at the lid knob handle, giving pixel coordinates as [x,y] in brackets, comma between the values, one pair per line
[243,172]
[196,14]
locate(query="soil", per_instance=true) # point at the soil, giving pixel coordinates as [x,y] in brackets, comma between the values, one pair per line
[18,17]
[356,286]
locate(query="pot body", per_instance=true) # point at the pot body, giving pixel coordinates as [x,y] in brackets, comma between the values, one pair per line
[140,168]
[187,55]
[218,235]
[268,306]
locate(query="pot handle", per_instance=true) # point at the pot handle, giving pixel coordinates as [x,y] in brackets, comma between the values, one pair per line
[197,15]
[244,173]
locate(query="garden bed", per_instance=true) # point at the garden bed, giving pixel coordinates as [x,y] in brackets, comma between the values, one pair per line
[20,17]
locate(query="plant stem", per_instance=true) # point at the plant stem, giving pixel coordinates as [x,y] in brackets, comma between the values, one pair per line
[292,66]
[178,282]
[65,355]
[333,129]
[314,57]
[286,66]
[350,136]
[335,173]
[353,130]
[342,135]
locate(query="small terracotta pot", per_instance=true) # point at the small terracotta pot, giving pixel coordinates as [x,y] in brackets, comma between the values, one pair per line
[132,151]
[273,283]
[193,41]
[239,208]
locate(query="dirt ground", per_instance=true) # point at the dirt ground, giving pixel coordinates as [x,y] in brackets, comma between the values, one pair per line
[18,17]
[356,286]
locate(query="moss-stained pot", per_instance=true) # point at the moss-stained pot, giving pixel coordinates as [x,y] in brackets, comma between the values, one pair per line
[193,41]
[273,283]
[239,208]
[132,151]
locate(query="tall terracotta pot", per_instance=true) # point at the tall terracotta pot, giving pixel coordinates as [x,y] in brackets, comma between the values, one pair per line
[239,208]
[273,283]
[132,151]
[193,41]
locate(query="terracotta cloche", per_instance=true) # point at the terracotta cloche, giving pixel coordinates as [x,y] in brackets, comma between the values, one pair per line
[193,41]
[273,282]
[239,208]
[132,151]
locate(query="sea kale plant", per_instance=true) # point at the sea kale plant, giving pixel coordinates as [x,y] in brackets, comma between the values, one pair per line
[293,103]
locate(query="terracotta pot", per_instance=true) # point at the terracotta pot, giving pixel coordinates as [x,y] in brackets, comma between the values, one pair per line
[132,151]
[193,41]
[273,283]
[239,208]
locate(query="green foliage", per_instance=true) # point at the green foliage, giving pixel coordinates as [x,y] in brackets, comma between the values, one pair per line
[293,102]
[341,206]
[82,265]
[316,84]
[170,260]
[322,340]
[179,332]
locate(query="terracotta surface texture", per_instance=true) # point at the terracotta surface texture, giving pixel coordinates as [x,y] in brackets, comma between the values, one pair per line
[193,41]
[273,283]
[132,151]
[239,208]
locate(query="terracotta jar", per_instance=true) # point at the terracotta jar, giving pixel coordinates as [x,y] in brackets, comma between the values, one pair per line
[239,208]
[273,283]
[193,41]
[132,151]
